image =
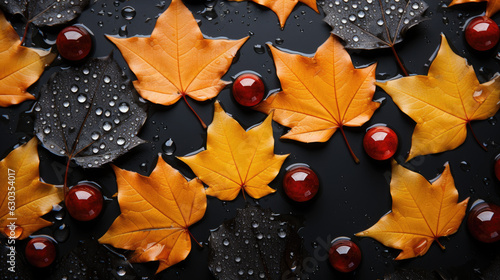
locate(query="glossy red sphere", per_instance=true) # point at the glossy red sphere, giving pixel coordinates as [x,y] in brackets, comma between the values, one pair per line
[482,33]
[40,251]
[248,89]
[497,168]
[74,43]
[84,201]
[484,222]
[380,142]
[301,183]
[344,255]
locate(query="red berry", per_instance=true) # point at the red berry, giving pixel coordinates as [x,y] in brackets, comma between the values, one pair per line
[344,254]
[84,201]
[40,251]
[497,167]
[74,43]
[301,183]
[484,222]
[482,33]
[380,142]
[248,89]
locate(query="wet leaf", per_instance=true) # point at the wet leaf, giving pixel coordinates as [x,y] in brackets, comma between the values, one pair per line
[21,66]
[444,102]
[372,24]
[33,198]
[236,160]
[90,260]
[320,94]
[45,12]
[156,212]
[177,61]
[492,7]
[422,212]
[89,113]
[283,8]
[256,244]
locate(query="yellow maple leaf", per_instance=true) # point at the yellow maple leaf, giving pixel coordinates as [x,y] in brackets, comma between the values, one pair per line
[283,8]
[492,7]
[177,60]
[444,102]
[321,94]
[23,197]
[156,212]
[421,212]
[20,67]
[236,160]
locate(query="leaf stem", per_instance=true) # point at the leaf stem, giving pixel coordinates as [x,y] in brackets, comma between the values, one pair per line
[194,239]
[475,137]
[201,121]
[349,146]
[398,60]
[439,243]
[65,186]
[25,32]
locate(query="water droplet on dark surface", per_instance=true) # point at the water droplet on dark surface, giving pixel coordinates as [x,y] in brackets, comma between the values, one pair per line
[123,32]
[260,49]
[465,166]
[169,147]
[61,234]
[128,12]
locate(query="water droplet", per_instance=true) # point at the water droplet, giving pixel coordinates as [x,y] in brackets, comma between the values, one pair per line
[225,242]
[255,224]
[95,136]
[355,38]
[415,6]
[259,49]
[82,98]
[86,71]
[61,234]
[121,272]
[107,79]
[112,103]
[120,141]
[66,104]
[128,12]
[361,14]
[237,259]
[74,88]
[352,17]
[143,166]
[123,107]
[46,130]
[279,41]
[169,147]
[465,166]
[281,233]
[259,236]
[106,126]
[98,111]
[123,31]
[492,120]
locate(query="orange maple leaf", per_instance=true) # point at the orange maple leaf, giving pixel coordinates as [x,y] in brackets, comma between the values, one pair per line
[177,60]
[236,160]
[283,8]
[156,212]
[492,7]
[23,197]
[20,66]
[321,94]
[421,212]
[444,102]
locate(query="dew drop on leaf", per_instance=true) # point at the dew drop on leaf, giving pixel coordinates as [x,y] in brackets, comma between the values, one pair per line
[123,107]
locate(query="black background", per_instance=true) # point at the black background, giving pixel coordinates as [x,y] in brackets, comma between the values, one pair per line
[352,196]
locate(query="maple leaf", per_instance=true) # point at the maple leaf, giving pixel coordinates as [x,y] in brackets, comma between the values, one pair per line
[283,8]
[20,66]
[156,212]
[177,60]
[253,233]
[421,212]
[236,160]
[33,198]
[321,94]
[373,24]
[90,113]
[444,102]
[492,7]
[45,13]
